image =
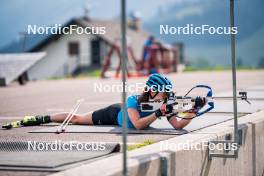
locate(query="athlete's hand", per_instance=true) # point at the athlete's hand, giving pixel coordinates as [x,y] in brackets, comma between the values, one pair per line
[199,102]
[164,109]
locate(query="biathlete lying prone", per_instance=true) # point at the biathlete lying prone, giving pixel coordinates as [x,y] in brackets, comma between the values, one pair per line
[157,89]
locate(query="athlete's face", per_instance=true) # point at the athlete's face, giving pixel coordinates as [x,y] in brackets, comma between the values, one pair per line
[160,96]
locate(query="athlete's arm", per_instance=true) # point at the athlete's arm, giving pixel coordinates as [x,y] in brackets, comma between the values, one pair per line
[140,123]
[179,124]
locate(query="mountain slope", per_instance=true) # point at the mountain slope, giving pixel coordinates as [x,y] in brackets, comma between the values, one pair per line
[248,18]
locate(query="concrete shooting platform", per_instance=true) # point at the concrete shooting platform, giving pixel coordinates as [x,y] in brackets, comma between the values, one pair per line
[52,96]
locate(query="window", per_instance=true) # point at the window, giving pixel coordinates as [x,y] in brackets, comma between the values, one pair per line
[73,48]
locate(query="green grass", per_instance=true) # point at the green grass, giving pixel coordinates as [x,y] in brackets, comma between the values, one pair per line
[216,68]
[96,73]
[136,146]
[60,78]
[92,73]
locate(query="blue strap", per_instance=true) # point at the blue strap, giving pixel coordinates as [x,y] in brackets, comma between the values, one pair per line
[211,106]
[209,94]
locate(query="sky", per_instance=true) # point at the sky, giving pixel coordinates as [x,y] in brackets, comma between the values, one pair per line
[15,15]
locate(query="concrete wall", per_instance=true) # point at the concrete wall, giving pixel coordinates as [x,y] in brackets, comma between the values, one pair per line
[155,160]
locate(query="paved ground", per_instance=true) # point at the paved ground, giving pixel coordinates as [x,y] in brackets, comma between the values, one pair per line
[46,97]
[53,96]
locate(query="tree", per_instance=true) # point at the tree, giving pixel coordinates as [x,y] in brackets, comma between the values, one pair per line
[239,62]
[261,63]
[202,63]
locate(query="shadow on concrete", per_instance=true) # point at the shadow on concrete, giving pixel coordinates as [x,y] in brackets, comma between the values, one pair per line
[165,167]
[254,149]
[206,165]
[144,161]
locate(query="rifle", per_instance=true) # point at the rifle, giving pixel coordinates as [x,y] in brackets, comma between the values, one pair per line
[186,103]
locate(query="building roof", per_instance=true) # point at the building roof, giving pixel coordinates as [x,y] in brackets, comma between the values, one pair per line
[136,38]
[35,42]
[13,65]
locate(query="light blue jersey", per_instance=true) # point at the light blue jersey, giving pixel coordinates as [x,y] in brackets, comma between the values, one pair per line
[132,102]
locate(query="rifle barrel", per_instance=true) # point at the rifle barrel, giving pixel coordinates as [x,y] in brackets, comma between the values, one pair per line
[239,97]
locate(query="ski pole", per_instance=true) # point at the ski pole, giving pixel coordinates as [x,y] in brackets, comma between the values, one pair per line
[66,121]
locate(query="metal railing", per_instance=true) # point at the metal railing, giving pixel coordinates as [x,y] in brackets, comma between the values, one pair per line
[123,66]
[236,132]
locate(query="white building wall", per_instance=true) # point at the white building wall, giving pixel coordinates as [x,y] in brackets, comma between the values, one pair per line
[57,62]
